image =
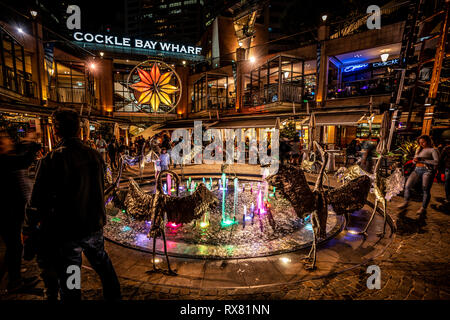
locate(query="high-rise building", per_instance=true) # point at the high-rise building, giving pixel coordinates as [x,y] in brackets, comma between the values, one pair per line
[171,20]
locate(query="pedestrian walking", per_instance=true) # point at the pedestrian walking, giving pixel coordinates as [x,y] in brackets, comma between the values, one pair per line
[14,193]
[69,208]
[369,153]
[164,159]
[101,145]
[426,160]
[112,153]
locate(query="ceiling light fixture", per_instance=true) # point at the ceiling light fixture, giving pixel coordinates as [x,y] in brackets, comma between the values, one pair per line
[384,57]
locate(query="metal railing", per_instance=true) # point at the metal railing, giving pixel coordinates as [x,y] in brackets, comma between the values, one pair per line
[20,83]
[361,88]
[273,93]
[71,95]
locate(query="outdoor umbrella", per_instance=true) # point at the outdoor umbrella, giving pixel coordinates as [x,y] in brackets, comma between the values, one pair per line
[384,134]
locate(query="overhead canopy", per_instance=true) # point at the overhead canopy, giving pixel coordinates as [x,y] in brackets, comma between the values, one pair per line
[172,125]
[376,119]
[338,119]
[246,123]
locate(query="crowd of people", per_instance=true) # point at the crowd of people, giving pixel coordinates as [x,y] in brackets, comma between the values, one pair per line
[63,213]
[112,150]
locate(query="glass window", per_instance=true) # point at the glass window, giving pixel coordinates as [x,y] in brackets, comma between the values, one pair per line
[213,91]
[70,83]
[12,66]
[123,99]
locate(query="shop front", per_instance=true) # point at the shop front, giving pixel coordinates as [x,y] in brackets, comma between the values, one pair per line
[337,130]
[364,73]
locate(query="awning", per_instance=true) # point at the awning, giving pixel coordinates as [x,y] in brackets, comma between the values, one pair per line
[338,119]
[245,123]
[36,110]
[376,119]
[181,124]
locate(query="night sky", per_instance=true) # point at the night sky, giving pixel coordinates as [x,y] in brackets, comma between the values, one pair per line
[105,16]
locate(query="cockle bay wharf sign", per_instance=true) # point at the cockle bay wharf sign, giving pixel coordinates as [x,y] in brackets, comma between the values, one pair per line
[135,45]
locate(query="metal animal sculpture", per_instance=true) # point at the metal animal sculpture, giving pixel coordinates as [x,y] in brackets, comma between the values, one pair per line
[344,200]
[382,188]
[311,166]
[160,208]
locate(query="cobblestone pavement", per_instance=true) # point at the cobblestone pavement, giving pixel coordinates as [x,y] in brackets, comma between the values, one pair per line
[414,264]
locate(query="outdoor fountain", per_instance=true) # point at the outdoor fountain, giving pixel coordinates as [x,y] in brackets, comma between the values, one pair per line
[251,220]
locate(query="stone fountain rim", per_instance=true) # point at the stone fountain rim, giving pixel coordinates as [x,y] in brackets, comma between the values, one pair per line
[332,234]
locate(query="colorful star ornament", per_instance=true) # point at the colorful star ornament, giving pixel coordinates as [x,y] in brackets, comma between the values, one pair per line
[155,88]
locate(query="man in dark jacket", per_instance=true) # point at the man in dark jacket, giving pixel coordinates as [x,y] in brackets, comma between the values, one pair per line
[112,152]
[14,193]
[68,198]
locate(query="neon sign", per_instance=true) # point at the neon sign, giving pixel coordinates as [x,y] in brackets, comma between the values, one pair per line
[386,63]
[135,43]
[355,67]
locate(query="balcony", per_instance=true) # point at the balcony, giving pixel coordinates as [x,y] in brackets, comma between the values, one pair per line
[71,95]
[71,83]
[282,79]
[213,91]
[358,88]
[17,83]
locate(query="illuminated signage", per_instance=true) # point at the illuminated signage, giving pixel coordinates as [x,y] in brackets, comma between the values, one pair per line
[135,43]
[155,84]
[355,67]
[384,64]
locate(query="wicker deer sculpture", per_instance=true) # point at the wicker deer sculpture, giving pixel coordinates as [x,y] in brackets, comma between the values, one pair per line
[344,200]
[160,208]
[382,188]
